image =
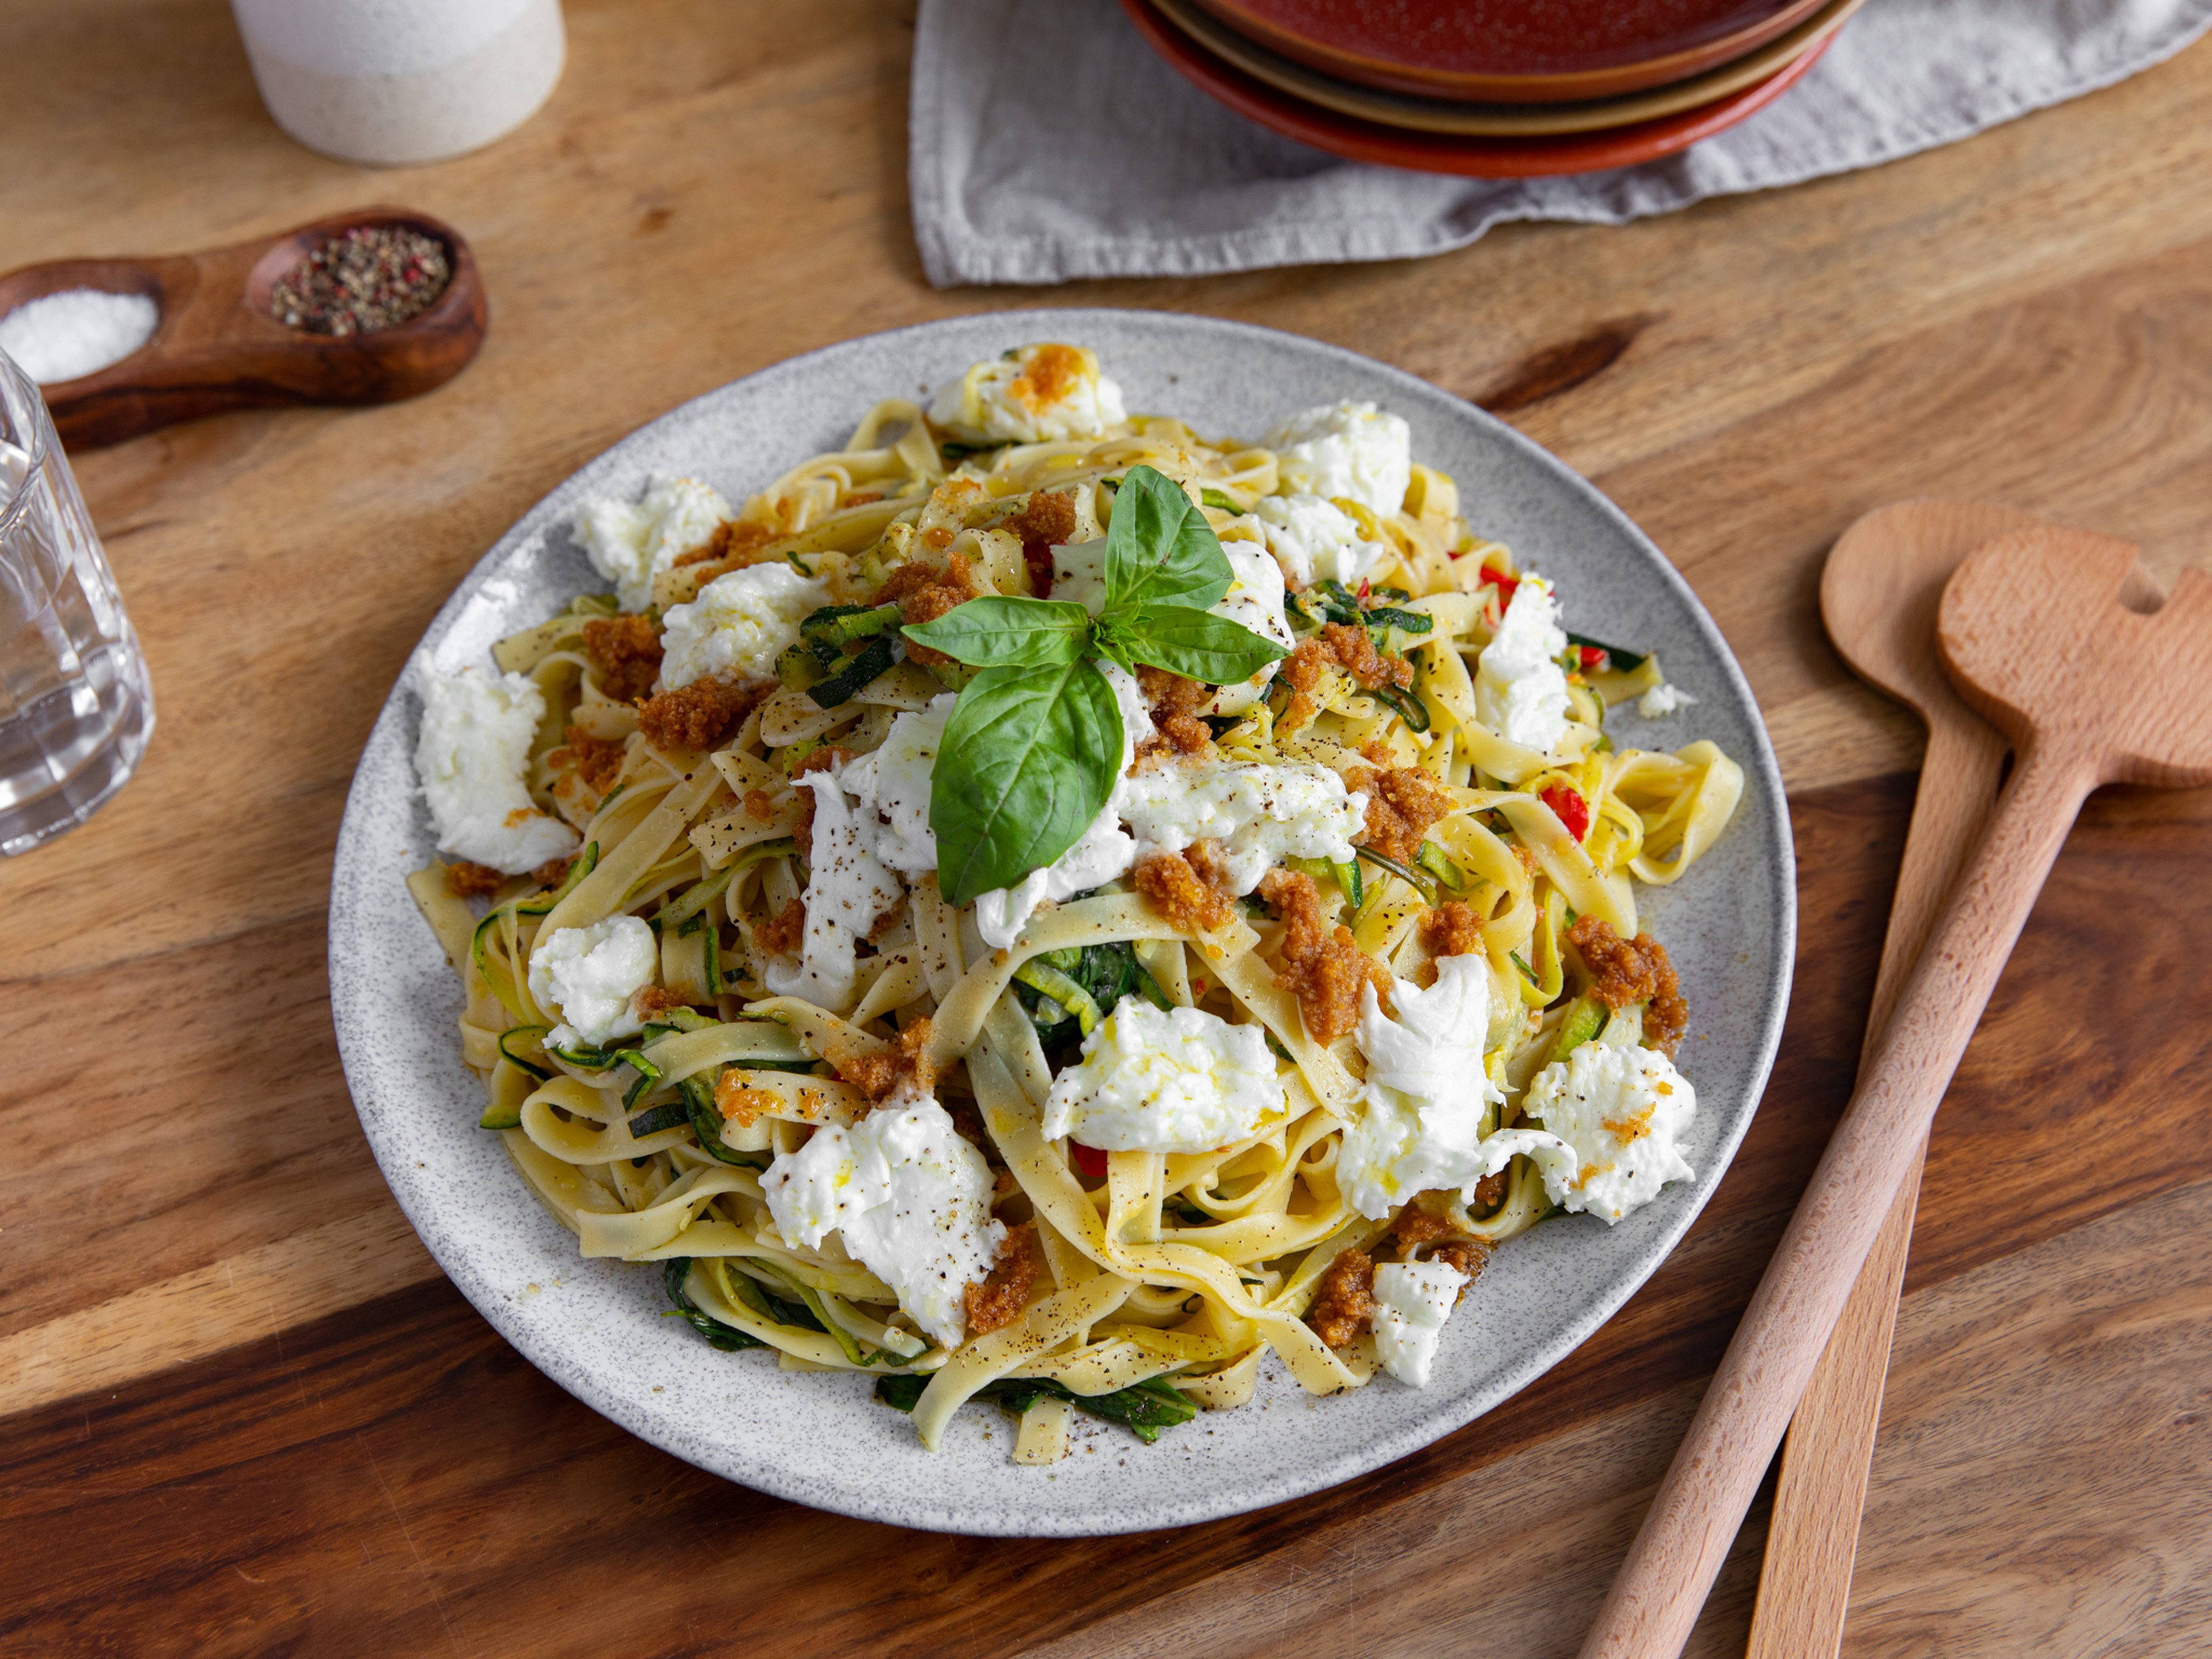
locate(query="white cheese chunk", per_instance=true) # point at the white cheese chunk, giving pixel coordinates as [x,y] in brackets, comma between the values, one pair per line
[892,784]
[911,1198]
[1349,449]
[1427,1092]
[628,543]
[1624,1111]
[1661,701]
[1313,539]
[892,787]
[1412,1299]
[473,756]
[1520,689]
[1164,1080]
[846,888]
[738,624]
[1255,600]
[1263,814]
[592,976]
[1034,394]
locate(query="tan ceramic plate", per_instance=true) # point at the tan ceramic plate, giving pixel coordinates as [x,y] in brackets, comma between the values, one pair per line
[1507,120]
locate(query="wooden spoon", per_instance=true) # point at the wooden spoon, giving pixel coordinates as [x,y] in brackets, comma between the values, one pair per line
[217,348]
[2037,636]
[1879,594]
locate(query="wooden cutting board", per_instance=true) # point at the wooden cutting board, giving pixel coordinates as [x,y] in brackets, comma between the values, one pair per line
[240,1412]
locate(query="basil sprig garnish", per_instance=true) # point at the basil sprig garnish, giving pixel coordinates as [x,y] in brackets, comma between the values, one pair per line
[1031,753]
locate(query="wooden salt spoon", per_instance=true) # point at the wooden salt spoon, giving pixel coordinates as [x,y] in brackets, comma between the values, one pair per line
[2038,637]
[1879,593]
[217,346]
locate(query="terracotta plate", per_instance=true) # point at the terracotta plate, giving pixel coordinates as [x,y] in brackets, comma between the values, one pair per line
[1513,51]
[1503,120]
[1467,155]
[595,1327]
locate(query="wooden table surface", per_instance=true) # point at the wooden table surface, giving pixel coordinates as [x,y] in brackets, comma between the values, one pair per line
[241,1411]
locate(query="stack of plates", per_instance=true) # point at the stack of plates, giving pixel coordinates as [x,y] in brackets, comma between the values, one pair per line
[1494,88]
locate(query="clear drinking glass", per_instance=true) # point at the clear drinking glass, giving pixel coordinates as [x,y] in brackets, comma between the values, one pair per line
[76,704]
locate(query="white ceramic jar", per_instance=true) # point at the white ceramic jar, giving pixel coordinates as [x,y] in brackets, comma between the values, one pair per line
[388,82]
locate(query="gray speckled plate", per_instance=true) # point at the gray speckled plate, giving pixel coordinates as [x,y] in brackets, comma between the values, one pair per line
[595,1327]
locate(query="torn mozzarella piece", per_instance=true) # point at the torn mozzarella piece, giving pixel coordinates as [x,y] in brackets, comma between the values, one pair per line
[629,543]
[911,1198]
[1520,689]
[592,976]
[1313,539]
[847,889]
[1623,1111]
[738,624]
[891,783]
[473,756]
[1427,1089]
[1412,1299]
[1034,394]
[1263,814]
[1164,1080]
[1661,701]
[1255,601]
[1352,449]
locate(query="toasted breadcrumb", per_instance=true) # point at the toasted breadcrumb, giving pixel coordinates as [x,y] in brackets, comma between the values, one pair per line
[732,545]
[1452,929]
[466,880]
[1046,521]
[1403,803]
[553,873]
[1344,1304]
[879,1076]
[1179,893]
[923,593]
[1322,966]
[1000,1299]
[783,934]
[595,761]
[1175,703]
[739,1103]
[1623,971]
[625,654]
[657,1000]
[700,715]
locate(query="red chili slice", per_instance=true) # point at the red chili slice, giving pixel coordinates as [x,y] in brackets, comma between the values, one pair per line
[1504,583]
[1593,656]
[1570,807]
[1089,1161]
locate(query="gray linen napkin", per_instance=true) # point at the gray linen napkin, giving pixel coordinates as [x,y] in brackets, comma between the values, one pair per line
[1049,142]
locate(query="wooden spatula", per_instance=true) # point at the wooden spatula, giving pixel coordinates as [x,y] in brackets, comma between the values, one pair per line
[2037,636]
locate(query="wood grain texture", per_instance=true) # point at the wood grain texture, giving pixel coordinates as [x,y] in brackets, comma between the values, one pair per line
[1879,593]
[217,348]
[2024,318]
[2035,634]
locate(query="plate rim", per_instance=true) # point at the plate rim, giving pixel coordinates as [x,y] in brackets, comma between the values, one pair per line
[1242,1495]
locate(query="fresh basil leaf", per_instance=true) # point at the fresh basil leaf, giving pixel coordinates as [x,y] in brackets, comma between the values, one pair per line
[1005,632]
[1197,644]
[1028,760]
[1159,549]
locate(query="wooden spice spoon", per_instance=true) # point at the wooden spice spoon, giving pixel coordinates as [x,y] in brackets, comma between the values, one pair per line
[217,346]
[2038,637]
[1879,593]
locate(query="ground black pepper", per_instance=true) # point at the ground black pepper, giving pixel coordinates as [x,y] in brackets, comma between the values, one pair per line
[364,279]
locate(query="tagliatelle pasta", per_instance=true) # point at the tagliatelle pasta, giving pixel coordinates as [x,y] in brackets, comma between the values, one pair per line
[1396,868]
